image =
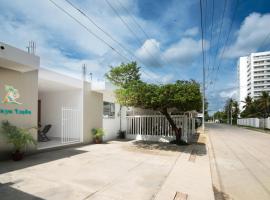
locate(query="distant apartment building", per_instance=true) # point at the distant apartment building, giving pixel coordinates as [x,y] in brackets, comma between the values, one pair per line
[253,76]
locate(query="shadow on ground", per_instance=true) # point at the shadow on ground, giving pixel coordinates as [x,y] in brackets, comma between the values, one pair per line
[197,145]
[39,158]
[9,193]
[161,146]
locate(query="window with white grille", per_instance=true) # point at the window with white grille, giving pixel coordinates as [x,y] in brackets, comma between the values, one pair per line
[108,110]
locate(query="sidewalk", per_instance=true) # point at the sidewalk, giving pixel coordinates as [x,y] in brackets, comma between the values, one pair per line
[190,178]
[118,170]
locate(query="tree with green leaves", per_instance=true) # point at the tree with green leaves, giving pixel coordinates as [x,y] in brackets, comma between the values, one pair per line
[264,103]
[181,95]
[220,115]
[230,112]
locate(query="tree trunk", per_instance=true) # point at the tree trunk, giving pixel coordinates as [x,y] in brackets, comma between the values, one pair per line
[177,131]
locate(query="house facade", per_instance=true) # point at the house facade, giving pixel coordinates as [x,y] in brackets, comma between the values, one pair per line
[32,97]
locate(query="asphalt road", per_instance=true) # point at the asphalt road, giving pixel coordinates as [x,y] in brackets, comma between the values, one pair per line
[242,162]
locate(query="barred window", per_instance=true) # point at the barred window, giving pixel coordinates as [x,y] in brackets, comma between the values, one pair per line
[108,110]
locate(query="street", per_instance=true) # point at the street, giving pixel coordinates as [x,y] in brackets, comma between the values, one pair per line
[240,162]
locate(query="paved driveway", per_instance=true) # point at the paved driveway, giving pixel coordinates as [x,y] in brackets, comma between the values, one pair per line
[242,159]
[114,171]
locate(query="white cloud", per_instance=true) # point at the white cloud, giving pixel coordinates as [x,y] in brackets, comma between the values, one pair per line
[250,36]
[185,51]
[182,53]
[228,94]
[149,53]
[192,31]
[58,37]
[152,77]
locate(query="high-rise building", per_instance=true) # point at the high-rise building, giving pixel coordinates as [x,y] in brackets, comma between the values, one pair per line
[253,76]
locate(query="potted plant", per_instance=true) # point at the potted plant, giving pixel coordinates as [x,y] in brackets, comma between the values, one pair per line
[121,134]
[98,134]
[19,137]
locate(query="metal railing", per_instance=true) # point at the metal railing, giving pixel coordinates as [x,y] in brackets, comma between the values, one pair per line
[158,126]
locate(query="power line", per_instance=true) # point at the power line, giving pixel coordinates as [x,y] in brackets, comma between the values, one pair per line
[129,28]
[227,39]
[144,32]
[135,21]
[88,30]
[219,35]
[106,33]
[211,37]
[218,41]
[205,27]
[92,33]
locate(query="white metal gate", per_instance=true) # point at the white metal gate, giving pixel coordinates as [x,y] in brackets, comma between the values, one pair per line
[157,126]
[71,126]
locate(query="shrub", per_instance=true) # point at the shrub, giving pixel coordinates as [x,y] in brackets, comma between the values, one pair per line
[98,133]
[19,137]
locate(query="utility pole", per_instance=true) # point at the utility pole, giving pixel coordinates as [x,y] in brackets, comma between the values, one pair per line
[231,115]
[228,116]
[203,100]
[203,106]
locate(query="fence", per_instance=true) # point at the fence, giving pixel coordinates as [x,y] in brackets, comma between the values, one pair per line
[157,127]
[254,122]
[71,127]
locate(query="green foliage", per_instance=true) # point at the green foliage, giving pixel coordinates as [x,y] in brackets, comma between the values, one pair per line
[182,95]
[221,116]
[133,92]
[124,74]
[19,137]
[231,109]
[98,133]
[257,107]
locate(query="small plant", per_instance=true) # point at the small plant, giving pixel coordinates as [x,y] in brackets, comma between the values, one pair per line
[19,137]
[98,134]
[121,134]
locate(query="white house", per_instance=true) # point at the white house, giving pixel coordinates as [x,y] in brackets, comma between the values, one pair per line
[31,95]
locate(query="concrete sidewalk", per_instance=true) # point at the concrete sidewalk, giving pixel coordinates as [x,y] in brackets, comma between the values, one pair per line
[119,170]
[190,177]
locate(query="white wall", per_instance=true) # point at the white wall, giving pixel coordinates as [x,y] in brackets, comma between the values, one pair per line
[111,126]
[18,60]
[92,115]
[51,108]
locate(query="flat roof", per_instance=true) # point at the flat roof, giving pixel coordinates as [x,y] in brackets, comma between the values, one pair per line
[17,59]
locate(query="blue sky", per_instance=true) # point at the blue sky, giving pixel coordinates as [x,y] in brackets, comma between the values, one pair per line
[170,50]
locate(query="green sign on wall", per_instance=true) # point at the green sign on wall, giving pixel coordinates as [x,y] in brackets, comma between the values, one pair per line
[15,111]
[11,97]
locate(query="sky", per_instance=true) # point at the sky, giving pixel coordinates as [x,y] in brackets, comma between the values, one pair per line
[163,36]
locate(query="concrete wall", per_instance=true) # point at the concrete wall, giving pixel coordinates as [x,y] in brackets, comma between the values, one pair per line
[111,126]
[27,85]
[51,108]
[92,115]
